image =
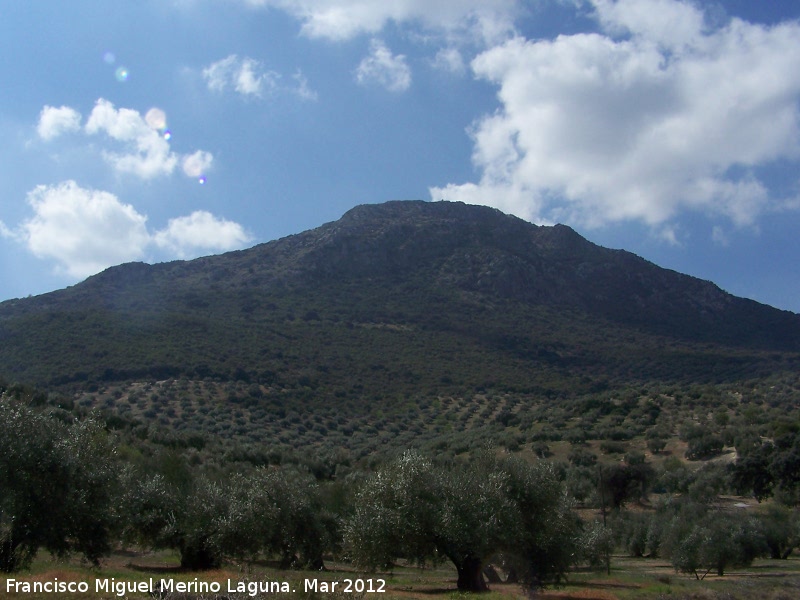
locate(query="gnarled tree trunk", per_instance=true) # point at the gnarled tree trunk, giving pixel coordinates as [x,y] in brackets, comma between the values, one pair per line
[197,557]
[470,575]
[8,557]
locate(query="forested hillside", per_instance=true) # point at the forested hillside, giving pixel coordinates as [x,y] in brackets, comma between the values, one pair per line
[404,297]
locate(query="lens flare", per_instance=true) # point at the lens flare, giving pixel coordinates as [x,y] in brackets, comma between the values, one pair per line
[202,180]
[121,74]
[167,135]
[156,119]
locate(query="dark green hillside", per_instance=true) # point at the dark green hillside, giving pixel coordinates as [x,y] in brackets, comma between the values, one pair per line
[400,298]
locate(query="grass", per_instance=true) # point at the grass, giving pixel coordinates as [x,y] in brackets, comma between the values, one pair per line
[630,579]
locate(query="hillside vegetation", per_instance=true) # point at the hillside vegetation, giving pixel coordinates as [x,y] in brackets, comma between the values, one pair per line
[295,375]
[405,297]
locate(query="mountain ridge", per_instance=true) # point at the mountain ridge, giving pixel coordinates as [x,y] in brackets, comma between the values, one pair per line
[436,274]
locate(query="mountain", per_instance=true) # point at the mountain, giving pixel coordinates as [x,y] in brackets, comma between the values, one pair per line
[396,299]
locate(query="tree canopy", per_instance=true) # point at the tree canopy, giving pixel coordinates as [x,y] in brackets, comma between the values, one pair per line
[468,514]
[55,486]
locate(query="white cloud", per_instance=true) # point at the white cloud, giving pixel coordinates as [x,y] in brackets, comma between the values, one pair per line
[249,81]
[199,232]
[82,230]
[148,153]
[384,68]
[55,121]
[658,116]
[449,59]
[302,89]
[145,150]
[669,234]
[673,25]
[5,232]
[247,77]
[197,164]
[218,74]
[244,75]
[345,19]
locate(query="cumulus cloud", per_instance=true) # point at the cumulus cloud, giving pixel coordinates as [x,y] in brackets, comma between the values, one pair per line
[140,146]
[147,153]
[245,75]
[670,24]
[656,115]
[55,121]
[384,68]
[345,19]
[84,231]
[198,232]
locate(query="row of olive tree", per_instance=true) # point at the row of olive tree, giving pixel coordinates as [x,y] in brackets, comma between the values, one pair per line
[269,511]
[504,510]
[64,489]
[699,538]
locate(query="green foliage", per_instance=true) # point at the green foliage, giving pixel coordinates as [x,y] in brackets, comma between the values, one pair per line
[56,485]
[770,468]
[178,509]
[278,511]
[673,477]
[630,531]
[466,513]
[698,539]
[781,529]
[704,446]
[581,483]
[582,457]
[612,447]
[596,544]
[195,525]
[148,503]
[656,444]
[625,482]
[267,511]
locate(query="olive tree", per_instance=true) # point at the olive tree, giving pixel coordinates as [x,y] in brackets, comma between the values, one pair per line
[467,514]
[56,483]
[698,539]
[781,528]
[278,511]
[188,518]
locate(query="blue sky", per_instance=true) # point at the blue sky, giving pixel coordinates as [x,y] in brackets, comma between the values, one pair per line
[169,129]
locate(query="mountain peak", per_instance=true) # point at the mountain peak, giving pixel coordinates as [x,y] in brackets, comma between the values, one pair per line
[451,272]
